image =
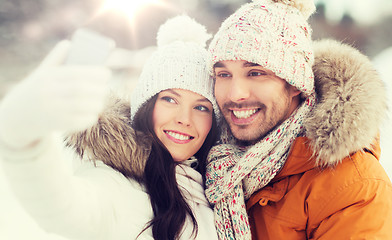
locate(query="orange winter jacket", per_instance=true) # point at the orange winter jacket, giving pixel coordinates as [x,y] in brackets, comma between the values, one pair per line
[332,185]
[351,201]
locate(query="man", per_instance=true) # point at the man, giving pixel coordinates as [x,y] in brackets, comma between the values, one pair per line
[299,156]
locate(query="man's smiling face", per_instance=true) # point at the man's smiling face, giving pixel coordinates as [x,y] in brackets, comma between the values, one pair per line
[252,99]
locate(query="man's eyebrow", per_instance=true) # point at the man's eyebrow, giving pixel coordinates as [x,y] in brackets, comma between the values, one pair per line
[250,64]
[219,65]
[246,64]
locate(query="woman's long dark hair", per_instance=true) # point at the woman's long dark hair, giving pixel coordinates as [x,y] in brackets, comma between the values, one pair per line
[169,206]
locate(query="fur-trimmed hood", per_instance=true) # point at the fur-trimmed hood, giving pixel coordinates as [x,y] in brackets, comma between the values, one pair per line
[351,103]
[350,109]
[113,141]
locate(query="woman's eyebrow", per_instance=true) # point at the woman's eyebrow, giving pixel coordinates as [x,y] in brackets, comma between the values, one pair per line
[173,92]
[203,100]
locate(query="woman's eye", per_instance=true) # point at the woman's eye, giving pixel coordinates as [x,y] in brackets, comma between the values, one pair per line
[168,99]
[202,108]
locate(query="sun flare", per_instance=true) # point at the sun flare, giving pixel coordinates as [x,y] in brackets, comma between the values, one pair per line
[128,7]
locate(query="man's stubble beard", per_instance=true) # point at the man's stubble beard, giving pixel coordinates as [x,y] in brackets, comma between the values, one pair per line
[276,118]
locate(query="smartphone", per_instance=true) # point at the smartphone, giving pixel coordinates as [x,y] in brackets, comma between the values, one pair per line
[89,48]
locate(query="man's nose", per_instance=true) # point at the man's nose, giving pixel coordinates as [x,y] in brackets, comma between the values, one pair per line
[239,89]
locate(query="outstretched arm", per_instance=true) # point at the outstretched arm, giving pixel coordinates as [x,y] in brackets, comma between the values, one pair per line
[95,203]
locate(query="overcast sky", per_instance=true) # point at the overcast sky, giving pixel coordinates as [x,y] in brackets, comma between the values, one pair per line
[362,11]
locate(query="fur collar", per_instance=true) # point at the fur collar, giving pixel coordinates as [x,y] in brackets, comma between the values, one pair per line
[113,141]
[350,109]
[351,103]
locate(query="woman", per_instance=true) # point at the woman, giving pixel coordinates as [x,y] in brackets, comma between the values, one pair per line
[144,180]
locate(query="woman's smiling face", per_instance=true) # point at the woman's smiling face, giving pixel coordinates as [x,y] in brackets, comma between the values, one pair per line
[182,120]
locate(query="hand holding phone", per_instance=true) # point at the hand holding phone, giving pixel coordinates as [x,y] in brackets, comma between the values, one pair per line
[56,96]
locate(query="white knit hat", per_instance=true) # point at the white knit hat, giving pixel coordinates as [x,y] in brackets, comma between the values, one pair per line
[272,33]
[179,62]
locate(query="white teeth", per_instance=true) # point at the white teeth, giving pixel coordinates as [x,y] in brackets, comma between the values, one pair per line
[178,136]
[244,113]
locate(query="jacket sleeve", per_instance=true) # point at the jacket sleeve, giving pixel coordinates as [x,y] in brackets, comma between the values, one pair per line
[95,202]
[360,210]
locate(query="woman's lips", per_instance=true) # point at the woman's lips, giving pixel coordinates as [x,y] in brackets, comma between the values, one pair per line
[178,137]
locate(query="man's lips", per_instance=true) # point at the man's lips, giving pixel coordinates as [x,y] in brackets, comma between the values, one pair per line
[244,116]
[178,137]
[244,113]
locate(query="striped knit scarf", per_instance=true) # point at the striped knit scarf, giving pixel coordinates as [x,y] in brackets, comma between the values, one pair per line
[235,173]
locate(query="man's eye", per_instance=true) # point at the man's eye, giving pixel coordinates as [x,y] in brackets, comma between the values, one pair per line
[168,99]
[223,75]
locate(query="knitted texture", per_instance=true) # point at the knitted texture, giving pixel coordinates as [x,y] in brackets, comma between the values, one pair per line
[275,35]
[234,173]
[179,62]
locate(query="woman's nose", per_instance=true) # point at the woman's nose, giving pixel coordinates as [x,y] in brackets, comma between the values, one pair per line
[184,116]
